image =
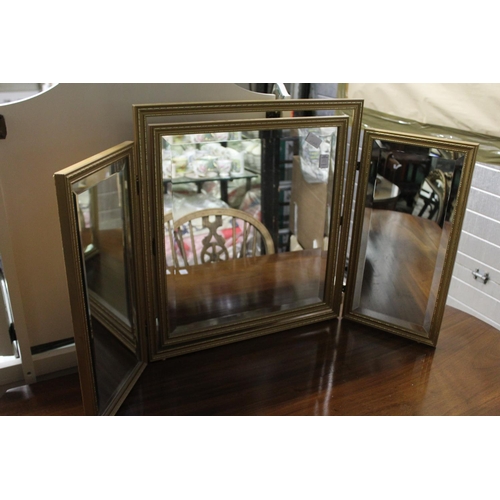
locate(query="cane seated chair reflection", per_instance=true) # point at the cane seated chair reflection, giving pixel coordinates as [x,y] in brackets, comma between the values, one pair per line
[213,235]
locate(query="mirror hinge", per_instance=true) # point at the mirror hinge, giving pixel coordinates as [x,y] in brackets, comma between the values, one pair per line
[137,184]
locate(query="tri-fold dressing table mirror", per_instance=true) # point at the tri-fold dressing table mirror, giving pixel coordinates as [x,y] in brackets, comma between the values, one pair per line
[224,221]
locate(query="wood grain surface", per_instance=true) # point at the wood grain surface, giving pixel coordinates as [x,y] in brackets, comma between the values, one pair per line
[334,368]
[402,257]
[228,291]
[338,368]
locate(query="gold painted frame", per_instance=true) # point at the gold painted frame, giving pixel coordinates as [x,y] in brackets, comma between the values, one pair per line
[147,119]
[273,322]
[151,123]
[75,270]
[469,150]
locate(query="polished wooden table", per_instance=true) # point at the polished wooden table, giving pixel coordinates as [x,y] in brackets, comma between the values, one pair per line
[244,288]
[404,253]
[334,368]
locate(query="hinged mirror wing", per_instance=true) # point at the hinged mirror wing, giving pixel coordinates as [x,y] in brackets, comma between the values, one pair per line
[99,223]
[410,204]
[222,184]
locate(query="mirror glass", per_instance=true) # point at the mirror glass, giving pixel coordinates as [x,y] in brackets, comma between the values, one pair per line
[410,201]
[105,239]
[247,217]
[246,154]
[101,203]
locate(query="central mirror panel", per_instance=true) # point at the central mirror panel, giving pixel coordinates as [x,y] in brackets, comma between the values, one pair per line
[250,224]
[224,264]
[411,208]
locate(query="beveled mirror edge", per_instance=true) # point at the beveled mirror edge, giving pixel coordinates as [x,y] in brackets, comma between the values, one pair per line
[470,152]
[141,114]
[124,389]
[144,144]
[273,321]
[73,257]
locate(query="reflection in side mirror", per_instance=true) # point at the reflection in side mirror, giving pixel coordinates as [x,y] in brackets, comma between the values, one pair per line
[415,190]
[94,204]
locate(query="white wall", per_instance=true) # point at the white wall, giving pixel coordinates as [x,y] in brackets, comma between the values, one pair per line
[46,133]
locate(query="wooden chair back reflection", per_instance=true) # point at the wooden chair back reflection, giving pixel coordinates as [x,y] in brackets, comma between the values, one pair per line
[434,194]
[248,237]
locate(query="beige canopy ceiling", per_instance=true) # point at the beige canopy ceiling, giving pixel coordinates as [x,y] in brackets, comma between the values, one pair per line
[471,107]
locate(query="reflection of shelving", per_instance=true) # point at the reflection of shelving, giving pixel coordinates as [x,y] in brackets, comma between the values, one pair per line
[285,191]
[288,147]
[230,160]
[264,160]
[199,181]
[205,155]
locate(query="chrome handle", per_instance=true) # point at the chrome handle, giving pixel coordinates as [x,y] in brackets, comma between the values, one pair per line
[482,276]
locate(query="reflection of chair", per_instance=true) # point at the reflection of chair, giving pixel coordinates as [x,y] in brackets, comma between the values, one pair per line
[432,197]
[213,235]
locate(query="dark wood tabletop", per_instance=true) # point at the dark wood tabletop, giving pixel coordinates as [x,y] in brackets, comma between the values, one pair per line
[334,368]
[404,253]
[249,287]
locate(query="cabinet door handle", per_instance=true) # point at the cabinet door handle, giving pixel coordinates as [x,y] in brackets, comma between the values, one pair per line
[482,276]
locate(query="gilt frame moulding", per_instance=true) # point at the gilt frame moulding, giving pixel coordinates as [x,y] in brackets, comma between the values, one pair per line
[272,322]
[74,258]
[469,150]
[151,121]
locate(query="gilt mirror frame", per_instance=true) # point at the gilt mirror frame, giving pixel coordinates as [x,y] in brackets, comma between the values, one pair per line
[79,294]
[469,151]
[268,322]
[143,155]
[151,121]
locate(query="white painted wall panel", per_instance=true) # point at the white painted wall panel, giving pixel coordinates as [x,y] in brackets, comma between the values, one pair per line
[487,178]
[482,227]
[477,301]
[484,203]
[464,266]
[46,133]
[479,248]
